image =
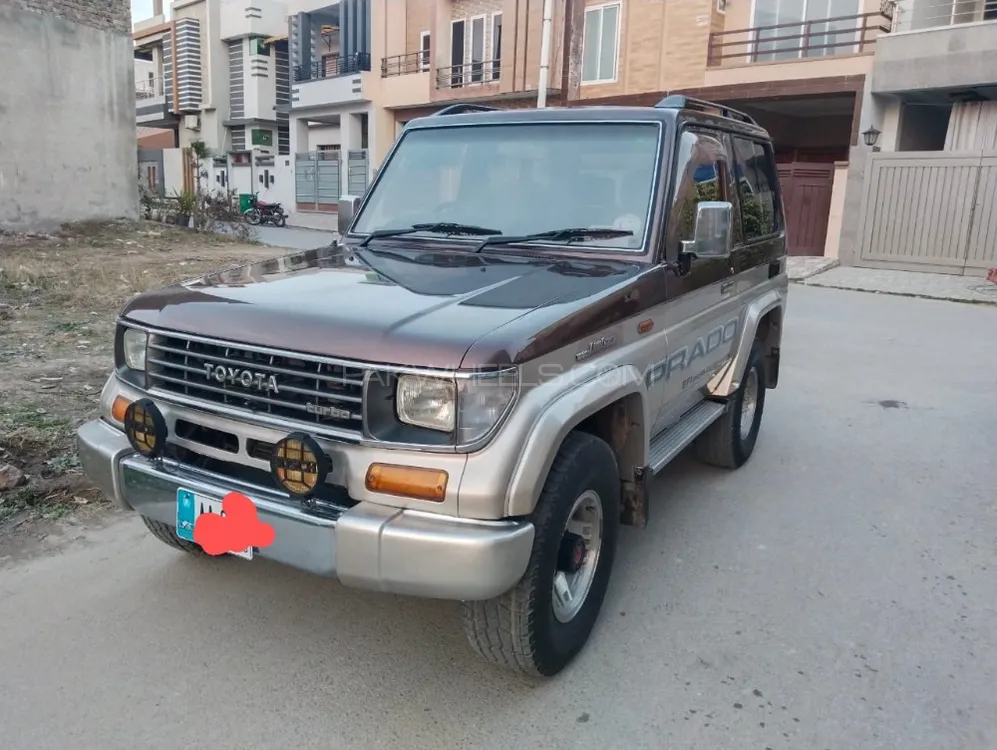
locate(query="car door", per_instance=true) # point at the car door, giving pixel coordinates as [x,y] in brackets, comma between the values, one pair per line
[700,326]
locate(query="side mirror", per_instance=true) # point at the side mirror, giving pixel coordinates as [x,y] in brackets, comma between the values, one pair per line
[348,205]
[711,230]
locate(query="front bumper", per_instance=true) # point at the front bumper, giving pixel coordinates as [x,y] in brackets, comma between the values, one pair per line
[367,546]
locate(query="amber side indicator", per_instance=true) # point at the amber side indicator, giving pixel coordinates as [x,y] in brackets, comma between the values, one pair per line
[407,481]
[645,325]
[119,407]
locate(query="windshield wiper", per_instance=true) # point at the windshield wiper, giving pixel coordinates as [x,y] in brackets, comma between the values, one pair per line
[442,227]
[557,235]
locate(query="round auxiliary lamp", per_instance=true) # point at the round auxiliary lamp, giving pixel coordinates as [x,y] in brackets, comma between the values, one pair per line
[145,428]
[298,464]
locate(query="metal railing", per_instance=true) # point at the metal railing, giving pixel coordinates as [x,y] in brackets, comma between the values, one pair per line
[148,89]
[470,74]
[401,65]
[913,16]
[330,67]
[823,37]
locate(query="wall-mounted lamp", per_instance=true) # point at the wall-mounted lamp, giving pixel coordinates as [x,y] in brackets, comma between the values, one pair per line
[870,136]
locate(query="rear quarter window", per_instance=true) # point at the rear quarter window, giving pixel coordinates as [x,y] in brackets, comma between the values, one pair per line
[757,182]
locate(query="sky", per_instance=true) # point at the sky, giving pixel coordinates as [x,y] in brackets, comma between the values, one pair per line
[141,9]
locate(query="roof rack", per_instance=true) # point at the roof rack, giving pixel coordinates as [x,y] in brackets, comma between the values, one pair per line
[459,109]
[677,101]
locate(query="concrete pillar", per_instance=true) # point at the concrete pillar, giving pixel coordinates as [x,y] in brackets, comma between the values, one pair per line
[349,133]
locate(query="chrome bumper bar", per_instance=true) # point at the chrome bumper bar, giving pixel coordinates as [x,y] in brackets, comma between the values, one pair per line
[368,546]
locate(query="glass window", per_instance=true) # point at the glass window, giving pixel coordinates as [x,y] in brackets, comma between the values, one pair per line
[521,179]
[756,180]
[600,44]
[699,176]
[258,47]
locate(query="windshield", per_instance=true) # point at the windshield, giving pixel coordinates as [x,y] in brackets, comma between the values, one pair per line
[521,179]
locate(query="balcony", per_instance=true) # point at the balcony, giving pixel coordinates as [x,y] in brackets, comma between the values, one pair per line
[405,80]
[469,75]
[802,49]
[401,65]
[937,46]
[330,81]
[150,88]
[332,67]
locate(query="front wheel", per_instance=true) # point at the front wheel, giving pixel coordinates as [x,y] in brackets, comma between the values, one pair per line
[540,625]
[280,220]
[253,216]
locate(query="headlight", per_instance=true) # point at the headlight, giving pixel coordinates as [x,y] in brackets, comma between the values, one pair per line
[133,344]
[483,402]
[427,402]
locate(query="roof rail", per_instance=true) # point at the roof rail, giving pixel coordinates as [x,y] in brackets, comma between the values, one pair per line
[677,101]
[459,109]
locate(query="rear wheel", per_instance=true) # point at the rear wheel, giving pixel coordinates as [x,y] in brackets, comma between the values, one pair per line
[167,535]
[729,442]
[540,625]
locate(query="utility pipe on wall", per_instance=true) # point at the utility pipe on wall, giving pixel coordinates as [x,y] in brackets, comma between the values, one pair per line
[545,55]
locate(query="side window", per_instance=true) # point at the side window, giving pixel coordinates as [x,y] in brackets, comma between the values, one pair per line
[755,176]
[700,175]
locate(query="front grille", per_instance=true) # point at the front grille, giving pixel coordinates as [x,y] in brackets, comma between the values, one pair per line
[294,388]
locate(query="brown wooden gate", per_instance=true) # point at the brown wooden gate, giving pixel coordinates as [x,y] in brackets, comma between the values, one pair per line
[806,197]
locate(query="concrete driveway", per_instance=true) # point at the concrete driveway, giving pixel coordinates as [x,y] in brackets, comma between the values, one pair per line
[837,592]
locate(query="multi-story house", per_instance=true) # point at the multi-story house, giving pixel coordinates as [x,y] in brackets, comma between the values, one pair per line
[216,71]
[924,199]
[362,68]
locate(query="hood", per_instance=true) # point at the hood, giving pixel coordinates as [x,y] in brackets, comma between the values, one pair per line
[393,304]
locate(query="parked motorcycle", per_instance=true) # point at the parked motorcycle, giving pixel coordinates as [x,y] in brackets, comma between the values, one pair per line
[260,212]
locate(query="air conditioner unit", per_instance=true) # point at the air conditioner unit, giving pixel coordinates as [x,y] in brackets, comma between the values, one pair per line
[192,122]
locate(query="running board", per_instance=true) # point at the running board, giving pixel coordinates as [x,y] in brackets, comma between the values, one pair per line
[674,440]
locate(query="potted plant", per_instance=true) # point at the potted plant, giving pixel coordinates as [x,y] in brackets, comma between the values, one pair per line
[186,203]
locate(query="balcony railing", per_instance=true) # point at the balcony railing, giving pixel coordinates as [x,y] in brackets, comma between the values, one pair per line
[330,67]
[824,37]
[471,74]
[148,89]
[913,15]
[401,65]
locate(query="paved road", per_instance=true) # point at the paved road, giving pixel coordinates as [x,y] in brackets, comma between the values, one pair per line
[837,592]
[294,237]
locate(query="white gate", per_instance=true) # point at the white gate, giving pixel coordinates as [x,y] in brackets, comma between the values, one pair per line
[930,211]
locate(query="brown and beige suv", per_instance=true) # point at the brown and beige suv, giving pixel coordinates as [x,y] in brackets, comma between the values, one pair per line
[528,315]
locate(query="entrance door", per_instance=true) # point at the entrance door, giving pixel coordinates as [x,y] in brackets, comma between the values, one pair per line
[806,190]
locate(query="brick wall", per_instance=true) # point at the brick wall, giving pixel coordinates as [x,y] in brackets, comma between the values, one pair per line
[107,15]
[418,18]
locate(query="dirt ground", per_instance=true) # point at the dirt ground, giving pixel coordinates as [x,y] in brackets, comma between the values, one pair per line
[59,297]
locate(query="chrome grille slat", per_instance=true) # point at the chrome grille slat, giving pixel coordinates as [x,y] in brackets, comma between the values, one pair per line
[262,365]
[308,391]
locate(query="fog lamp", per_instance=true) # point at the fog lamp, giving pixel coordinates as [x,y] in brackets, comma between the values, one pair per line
[145,427]
[298,464]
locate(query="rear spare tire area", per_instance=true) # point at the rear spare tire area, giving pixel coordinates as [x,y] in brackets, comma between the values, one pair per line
[541,624]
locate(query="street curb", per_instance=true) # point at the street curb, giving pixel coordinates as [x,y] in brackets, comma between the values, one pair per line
[912,295]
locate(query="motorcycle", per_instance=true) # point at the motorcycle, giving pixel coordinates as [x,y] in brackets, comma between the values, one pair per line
[260,212]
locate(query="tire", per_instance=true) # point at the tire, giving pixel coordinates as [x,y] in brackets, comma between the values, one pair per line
[165,533]
[280,220]
[519,630]
[723,444]
[253,216]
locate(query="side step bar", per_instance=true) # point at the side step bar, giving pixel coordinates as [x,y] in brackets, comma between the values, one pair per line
[674,440]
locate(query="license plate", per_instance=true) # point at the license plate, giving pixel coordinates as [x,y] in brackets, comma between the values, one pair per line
[189,506]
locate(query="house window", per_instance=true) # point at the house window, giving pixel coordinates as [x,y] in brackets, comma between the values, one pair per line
[258,47]
[496,46]
[477,48]
[457,52]
[809,33]
[601,43]
[424,51]
[721,6]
